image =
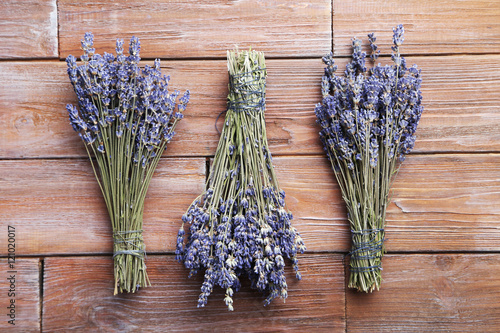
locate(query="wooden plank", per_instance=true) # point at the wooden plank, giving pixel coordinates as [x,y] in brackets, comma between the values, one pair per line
[58,208]
[28,29]
[431,293]
[455,121]
[453,198]
[78,295]
[432,27]
[20,283]
[35,123]
[313,197]
[186,29]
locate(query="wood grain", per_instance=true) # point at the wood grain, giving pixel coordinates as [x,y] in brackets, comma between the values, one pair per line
[26,290]
[440,203]
[28,29]
[78,295]
[431,293]
[446,203]
[432,27]
[445,198]
[460,94]
[201,29]
[58,208]
[451,198]
[34,122]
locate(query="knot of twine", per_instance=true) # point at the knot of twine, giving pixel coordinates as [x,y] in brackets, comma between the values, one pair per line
[365,246]
[133,243]
[248,91]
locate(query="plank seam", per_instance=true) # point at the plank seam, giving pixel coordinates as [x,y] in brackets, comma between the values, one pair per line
[40,290]
[332,45]
[84,158]
[345,294]
[171,253]
[208,157]
[58,31]
[207,168]
[437,55]
[28,59]
[310,57]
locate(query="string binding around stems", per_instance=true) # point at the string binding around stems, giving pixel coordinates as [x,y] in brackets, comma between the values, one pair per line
[119,238]
[250,89]
[366,250]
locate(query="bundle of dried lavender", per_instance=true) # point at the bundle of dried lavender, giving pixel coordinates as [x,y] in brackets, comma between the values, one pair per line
[239,225]
[126,119]
[368,122]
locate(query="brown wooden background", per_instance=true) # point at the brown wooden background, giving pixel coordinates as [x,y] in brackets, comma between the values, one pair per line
[442,270]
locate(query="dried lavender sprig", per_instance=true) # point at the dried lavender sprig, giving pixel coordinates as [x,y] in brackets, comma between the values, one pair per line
[368,122]
[126,117]
[374,48]
[240,225]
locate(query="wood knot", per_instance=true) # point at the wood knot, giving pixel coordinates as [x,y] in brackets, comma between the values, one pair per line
[444,262]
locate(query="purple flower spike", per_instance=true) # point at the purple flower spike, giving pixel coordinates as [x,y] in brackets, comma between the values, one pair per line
[368,123]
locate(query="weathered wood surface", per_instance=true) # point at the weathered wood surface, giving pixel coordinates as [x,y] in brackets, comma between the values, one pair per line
[36,124]
[26,290]
[187,29]
[79,296]
[451,198]
[28,29]
[430,293]
[57,206]
[432,27]
[460,98]
[446,197]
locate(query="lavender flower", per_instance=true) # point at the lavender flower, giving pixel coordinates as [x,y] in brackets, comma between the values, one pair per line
[368,122]
[239,226]
[125,116]
[374,48]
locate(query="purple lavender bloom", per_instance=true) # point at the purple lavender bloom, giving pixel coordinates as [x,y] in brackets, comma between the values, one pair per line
[373,101]
[87,46]
[398,36]
[374,53]
[242,213]
[358,57]
[368,122]
[114,92]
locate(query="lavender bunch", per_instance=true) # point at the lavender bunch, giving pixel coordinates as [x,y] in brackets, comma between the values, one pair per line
[240,225]
[126,117]
[368,120]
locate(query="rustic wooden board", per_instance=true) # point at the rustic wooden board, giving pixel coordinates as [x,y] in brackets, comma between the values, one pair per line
[446,203]
[445,197]
[432,27]
[34,124]
[450,198]
[78,295]
[431,293]
[460,98]
[186,29]
[58,208]
[28,29]
[27,292]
